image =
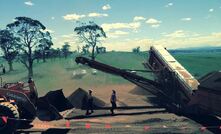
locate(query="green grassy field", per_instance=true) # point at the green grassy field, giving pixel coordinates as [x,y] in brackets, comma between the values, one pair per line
[199,64]
[58,73]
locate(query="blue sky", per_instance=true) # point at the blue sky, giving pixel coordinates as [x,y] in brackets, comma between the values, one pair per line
[128,23]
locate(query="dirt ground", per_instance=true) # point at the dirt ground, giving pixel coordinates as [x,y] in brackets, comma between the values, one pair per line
[134,120]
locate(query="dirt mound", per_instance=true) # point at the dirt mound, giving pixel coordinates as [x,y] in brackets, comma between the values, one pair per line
[49,106]
[56,99]
[79,99]
[48,114]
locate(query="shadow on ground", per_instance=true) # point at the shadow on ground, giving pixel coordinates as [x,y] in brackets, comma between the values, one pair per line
[56,131]
[48,131]
[212,123]
[117,114]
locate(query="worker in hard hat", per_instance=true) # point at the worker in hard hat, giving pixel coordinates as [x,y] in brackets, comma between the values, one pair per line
[89,103]
[33,90]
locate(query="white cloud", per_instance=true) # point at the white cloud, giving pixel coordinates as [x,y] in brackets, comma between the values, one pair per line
[155,26]
[211,10]
[181,41]
[76,17]
[163,33]
[139,18]
[169,5]
[176,34]
[52,17]
[112,26]
[154,23]
[67,36]
[29,3]
[106,7]
[97,15]
[73,17]
[217,35]
[116,34]
[213,39]
[181,34]
[128,44]
[186,19]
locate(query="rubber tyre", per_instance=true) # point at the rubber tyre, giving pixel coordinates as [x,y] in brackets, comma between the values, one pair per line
[10,111]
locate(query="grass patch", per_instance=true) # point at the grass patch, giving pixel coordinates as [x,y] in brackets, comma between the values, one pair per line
[55,74]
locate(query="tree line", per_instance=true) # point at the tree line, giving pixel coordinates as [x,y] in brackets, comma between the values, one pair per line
[27,40]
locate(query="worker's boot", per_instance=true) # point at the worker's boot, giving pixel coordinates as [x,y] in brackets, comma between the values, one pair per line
[87,113]
[112,112]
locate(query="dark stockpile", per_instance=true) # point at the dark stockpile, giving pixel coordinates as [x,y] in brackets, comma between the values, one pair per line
[54,102]
[211,82]
[49,106]
[58,100]
[79,99]
[47,112]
